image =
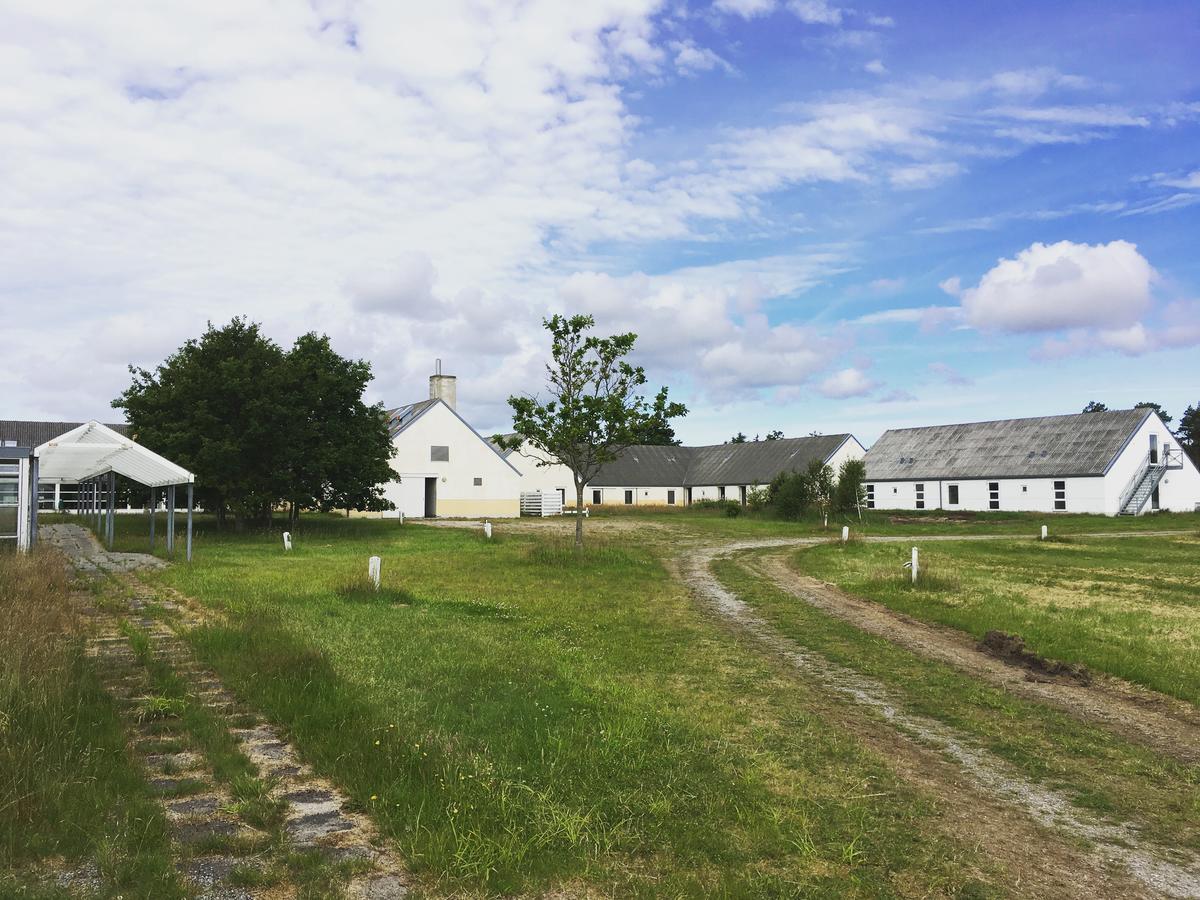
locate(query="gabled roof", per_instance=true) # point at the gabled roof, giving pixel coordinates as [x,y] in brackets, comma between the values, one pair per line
[94,449]
[402,418]
[754,462]
[1074,445]
[33,434]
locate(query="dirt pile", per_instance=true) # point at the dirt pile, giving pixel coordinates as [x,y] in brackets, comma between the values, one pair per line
[1010,648]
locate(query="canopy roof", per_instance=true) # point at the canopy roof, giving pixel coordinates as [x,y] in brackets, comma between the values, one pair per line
[93,449]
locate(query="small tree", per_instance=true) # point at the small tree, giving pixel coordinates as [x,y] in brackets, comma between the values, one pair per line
[739,438]
[593,412]
[1095,406]
[820,488]
[850,494]
[775,435]
[1157,407]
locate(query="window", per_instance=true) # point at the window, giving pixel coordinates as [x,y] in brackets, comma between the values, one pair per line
[1060,495]
[478,482]
[439,454]
[920,496]
[670,498]
[993,495]
[596,497]
[721,493]
[952,495]
[628,497]
[870,496]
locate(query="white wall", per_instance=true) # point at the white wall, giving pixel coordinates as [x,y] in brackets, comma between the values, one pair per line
[549,478]
[1083,495]
[471,457]
[1179,491]
[850,449]
[642,496]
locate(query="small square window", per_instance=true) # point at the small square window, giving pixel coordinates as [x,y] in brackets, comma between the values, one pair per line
[478,482]
[439,453]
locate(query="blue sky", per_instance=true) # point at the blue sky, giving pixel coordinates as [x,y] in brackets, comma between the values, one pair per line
[816,217]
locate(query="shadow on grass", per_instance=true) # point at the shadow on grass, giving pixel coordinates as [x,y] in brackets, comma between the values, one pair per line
[364,592]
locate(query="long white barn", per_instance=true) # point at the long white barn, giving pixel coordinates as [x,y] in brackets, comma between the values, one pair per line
[1118,462]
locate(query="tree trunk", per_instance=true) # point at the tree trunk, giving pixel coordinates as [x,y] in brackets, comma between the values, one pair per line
[578,516]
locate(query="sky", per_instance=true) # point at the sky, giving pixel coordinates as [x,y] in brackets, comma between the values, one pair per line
[815,217]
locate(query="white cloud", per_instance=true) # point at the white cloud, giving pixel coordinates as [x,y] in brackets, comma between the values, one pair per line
[851,382]
[876,67]
[1036,81]
[1190,180]
[747,9]
[951,286]
[691,59]
[922,175]
[815,12]
[403,288]
[1064,285]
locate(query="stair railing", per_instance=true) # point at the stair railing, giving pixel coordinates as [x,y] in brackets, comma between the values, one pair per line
[1139,476]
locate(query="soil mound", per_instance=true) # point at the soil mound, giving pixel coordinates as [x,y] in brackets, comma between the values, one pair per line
[1011,649]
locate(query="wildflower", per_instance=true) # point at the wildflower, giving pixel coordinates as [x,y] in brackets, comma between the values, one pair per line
[374,796]
[377,743]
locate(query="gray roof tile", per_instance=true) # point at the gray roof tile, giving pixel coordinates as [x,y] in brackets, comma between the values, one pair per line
[1072,445]
[754,462]
[34,434]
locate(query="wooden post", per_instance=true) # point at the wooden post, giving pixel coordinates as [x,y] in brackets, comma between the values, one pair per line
[171,520]
[189,523]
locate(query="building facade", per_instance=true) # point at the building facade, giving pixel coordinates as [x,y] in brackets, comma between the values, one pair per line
[1110,463]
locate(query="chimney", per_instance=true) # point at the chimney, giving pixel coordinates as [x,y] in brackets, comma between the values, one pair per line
[442,387]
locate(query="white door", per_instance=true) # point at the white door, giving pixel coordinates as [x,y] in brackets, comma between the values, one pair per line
[408,495]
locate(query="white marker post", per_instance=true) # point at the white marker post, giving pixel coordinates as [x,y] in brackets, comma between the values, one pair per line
[373,568]
[287,540]
[401,517]
[845,533]
[915,565]
[487,530]
[1044,532]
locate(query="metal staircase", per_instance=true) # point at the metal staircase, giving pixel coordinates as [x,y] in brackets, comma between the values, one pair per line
[1140,487]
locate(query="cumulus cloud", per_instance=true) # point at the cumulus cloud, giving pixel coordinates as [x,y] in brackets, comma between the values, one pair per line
[851,382]
[747,9]
[876,67]
[403,288]
[816,12]
[1064,285]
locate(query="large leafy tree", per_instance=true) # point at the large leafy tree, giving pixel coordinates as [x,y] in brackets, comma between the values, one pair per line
[657,428]
[258,425]
[1189,432]
[339,449]
[592,411]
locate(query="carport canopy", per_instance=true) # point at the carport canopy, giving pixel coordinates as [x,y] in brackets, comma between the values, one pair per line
[92,456]
[93,449]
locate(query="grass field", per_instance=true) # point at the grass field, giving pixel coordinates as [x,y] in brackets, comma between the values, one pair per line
[68,791]
[1128,607]
[524,720]
[1099,770]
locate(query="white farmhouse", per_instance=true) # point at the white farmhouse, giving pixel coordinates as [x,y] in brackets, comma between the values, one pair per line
[680,476]
[446,467]
[1118,462]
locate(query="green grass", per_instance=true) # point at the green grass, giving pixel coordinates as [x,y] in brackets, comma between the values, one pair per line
[1128,607]
[1100,771]
[68,791]
[519,718]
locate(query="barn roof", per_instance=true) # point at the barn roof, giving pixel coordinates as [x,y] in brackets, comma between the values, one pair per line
[1074,445]
[33,434]
[754,462]
[402,416]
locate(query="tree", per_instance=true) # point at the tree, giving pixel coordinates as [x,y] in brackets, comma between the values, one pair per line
[213,407]
[1189,432]
[820,488]
[593,412]
[259,426]
[657,428]
[336,455]
[775,435]
[850,494]
[739,438]
[1095,406]
[1162,413]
